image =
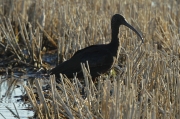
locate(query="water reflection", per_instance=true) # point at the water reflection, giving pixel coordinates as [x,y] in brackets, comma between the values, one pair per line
[10,95]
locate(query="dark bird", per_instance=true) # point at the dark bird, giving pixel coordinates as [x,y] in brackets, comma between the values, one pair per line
[101,58]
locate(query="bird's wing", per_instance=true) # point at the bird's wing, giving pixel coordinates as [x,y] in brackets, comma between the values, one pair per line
[97,57]
[99,60]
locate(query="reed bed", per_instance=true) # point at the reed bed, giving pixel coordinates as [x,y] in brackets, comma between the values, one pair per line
[147,84]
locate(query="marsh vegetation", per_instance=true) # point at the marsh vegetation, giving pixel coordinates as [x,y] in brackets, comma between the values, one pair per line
[35,36]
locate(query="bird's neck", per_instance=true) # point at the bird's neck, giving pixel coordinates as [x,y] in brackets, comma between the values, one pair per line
[114,35]
[114,44]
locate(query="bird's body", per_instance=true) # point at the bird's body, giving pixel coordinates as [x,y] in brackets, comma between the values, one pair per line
[101,58]
[98,57]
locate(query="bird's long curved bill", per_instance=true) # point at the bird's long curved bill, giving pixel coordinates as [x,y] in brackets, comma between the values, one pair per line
[132,28]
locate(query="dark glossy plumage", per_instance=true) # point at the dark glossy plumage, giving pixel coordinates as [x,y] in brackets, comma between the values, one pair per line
[101,58]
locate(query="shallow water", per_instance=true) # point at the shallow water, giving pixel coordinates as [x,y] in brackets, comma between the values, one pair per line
[11,102]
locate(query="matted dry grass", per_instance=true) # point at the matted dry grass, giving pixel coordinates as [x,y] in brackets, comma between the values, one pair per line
[147,86]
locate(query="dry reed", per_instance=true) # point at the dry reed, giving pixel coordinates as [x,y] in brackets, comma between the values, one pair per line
[147,86]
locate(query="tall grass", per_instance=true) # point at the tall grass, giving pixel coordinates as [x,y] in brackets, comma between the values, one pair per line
[147,86]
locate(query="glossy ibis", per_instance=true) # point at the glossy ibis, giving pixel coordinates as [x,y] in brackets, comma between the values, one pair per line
[101,58]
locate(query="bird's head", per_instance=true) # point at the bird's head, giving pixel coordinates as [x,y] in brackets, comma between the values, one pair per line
[118,20]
